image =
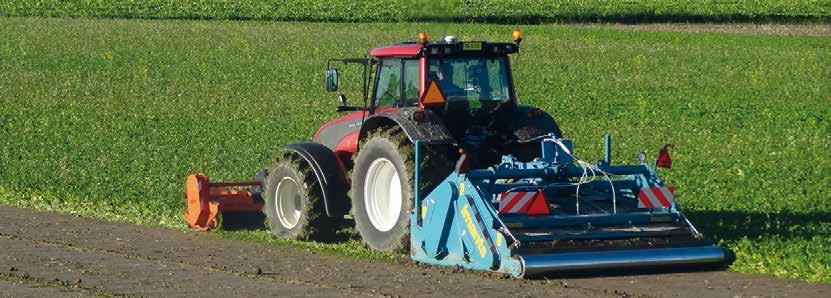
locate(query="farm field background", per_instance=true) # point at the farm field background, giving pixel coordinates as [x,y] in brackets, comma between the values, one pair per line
[105,118]
[502,11]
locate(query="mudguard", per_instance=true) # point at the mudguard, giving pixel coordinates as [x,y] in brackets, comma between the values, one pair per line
[429,131]
[329,172]
[533,123]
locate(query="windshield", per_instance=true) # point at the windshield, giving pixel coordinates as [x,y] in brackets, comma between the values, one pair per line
[481,81]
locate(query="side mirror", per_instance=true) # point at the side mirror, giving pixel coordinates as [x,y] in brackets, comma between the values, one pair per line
[331,80]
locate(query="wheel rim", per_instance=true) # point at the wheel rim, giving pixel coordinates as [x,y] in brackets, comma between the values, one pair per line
[288,204]
[382,194]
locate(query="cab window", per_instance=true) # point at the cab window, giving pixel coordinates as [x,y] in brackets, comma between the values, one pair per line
[397,78]
[477,80]
[411,82]
[388,85]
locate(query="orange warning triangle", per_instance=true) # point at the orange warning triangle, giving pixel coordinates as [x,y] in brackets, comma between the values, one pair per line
[433,95]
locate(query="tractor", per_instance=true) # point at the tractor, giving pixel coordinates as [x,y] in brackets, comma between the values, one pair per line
[442,162]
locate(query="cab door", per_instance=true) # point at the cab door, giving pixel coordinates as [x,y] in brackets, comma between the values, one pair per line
[396,85]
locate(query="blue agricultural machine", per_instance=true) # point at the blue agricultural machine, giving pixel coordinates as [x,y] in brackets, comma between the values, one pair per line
[590,216]
[443,163]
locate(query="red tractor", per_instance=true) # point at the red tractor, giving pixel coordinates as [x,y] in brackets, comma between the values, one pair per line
[450,95]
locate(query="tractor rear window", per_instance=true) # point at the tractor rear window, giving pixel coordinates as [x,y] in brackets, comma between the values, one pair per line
[478,80]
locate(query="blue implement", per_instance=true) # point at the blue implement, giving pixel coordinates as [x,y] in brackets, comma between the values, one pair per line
[595,218]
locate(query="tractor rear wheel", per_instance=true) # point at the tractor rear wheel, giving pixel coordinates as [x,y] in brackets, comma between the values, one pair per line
[294,203]
[382,188]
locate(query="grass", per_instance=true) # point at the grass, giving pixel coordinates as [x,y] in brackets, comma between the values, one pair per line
[105,118]
[500,11]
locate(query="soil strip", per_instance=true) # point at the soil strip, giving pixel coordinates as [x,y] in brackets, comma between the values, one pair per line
[75,255]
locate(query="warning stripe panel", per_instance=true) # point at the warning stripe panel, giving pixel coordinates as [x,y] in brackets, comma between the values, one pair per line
[654,197]
[660,195]
[507,198]
[653,200]
[643,201]
[521,203]
[510,200]
[532,203]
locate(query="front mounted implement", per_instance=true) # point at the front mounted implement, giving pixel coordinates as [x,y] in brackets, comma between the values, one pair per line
[555,213]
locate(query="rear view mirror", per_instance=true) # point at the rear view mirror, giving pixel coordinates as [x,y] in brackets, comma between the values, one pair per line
[331,80]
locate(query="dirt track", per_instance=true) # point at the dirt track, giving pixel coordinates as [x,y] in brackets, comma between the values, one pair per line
[48,254]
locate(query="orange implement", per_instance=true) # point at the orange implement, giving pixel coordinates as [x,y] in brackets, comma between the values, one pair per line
[206,200]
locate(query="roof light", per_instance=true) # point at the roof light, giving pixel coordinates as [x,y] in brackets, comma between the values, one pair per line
[450,39]
[422,37]
[517,35]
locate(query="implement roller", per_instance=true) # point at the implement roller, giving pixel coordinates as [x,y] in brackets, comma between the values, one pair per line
[442,162]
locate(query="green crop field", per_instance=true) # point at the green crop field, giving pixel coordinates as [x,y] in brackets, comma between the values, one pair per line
[105,118]
[502,11]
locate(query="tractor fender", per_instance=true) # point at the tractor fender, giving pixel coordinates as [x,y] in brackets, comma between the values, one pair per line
[533,123]
[329,172]
[431,130]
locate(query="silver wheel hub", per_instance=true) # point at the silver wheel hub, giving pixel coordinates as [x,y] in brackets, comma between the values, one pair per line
[288,202]
[382,194]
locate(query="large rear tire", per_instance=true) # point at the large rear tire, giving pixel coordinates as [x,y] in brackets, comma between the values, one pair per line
[294,202]
[382,188]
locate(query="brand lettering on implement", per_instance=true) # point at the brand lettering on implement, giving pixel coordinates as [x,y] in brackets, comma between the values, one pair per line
[474,232]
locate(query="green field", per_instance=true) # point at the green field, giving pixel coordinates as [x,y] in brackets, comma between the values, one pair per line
[501,11]
[105,118]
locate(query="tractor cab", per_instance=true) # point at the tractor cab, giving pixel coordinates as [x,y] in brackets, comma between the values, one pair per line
[476,73]
[463,83]
[455,91]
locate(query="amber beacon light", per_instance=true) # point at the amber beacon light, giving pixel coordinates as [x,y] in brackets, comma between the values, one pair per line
[517,35]
[422,37]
